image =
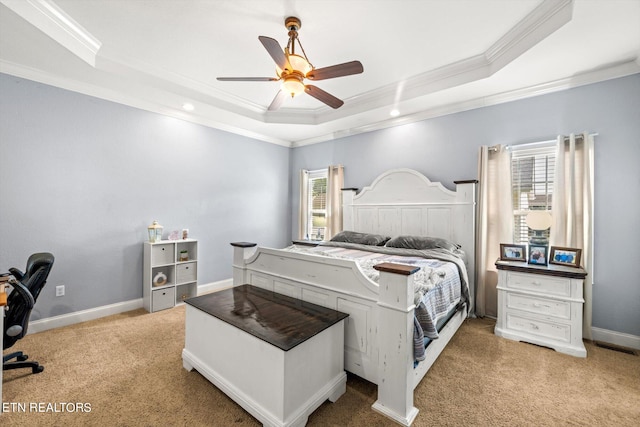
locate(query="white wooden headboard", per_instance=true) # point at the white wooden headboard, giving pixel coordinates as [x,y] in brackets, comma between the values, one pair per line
[405,202]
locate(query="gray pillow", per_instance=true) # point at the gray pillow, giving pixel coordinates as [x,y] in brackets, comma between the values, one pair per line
[419,242]
[360,238]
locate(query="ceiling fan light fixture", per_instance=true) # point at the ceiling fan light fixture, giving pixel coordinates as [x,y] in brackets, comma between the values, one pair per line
[299,64]
[293,85]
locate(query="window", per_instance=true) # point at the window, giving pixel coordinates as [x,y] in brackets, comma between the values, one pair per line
[317,204]
[532,171]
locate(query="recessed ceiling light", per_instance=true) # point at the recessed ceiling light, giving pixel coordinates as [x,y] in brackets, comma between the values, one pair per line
[394,113]
[188,107]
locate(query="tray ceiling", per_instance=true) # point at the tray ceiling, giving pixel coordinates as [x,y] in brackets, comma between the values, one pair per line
[421,58]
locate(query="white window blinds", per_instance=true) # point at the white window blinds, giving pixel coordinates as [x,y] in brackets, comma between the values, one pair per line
[532,175]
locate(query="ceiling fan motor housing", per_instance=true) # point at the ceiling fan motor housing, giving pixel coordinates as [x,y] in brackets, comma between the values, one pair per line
[292,23]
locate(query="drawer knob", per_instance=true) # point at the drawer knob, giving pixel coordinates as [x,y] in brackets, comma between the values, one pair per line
[536,283]
[534,326]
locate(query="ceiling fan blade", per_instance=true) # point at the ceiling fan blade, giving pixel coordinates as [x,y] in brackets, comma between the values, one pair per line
[277,101]
[323,96]
[247,79]
[340,70]
[276,52]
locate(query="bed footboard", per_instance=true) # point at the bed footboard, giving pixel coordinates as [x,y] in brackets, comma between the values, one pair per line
[334,283]
[379,329]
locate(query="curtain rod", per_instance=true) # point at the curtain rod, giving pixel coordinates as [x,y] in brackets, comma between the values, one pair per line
[533,144]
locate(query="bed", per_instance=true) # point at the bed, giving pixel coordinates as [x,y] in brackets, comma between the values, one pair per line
[381,293]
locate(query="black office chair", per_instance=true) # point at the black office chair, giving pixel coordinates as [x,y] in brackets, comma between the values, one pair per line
[26,289]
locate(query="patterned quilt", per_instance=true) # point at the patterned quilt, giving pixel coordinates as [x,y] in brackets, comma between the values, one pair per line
[439,286]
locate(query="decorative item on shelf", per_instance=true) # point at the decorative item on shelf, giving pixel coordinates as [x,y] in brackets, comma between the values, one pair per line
[184,255]
[159,279]
[185,233]
[565,256]
[511,252]
[174,235]
[539,221]
[538,254]
[155,232]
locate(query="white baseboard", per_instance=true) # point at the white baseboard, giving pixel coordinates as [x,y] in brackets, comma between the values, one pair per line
[83,316]
[618,338]
[215,286]
[108,310]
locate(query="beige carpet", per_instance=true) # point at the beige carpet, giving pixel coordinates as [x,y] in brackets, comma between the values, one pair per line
[127,370]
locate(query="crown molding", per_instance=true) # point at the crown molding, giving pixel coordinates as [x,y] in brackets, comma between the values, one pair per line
[543,21]
[614,71]
[46,16]
[630,67]
[131,100]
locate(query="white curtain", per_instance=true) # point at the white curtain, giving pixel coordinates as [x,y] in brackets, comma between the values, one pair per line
[335,183]
[495,223]
[572,207]
[303,209]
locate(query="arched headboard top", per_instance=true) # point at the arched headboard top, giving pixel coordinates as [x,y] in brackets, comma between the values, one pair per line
[400,186]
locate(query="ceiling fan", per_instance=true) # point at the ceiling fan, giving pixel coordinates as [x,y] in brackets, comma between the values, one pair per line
[293,69]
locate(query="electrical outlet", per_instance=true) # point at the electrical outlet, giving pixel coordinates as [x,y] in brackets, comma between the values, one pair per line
[60,290]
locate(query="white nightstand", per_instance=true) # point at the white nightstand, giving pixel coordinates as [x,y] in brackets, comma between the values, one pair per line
[541,305]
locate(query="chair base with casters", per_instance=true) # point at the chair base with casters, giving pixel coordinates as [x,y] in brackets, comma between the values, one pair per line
[21,362]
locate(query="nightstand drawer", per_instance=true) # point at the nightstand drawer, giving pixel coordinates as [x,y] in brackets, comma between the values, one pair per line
[548,307]
[547,285]
[540,328]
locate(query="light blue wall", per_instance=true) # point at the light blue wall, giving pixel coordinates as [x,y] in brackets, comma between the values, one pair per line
[83,178]
[446,149]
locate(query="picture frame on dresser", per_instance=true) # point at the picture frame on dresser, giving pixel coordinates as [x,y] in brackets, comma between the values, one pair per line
[569,257]
[538,255]
[513,252]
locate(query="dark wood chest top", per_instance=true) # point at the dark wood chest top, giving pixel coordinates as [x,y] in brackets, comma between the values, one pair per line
[277,319]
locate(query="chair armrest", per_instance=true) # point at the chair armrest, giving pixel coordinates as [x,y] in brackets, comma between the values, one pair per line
[16,273]
[24,293]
